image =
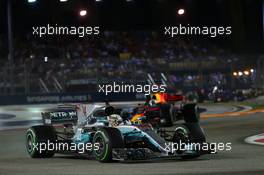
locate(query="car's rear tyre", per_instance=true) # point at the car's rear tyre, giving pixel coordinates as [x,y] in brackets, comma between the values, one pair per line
[37,135]
[191,113]
[107,139]
[166,114]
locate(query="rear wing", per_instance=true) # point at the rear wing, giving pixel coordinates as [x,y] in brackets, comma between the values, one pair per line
[174,97]
[165,97]
[66,116]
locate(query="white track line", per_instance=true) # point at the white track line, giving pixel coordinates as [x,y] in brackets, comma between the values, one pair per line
[253,139]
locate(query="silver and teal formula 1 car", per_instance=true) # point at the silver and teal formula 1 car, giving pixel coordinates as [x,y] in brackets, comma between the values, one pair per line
[109,137]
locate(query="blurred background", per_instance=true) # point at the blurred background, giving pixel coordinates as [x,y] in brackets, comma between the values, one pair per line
[132,48]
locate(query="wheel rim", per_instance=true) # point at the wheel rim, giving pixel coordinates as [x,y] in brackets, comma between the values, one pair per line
[182,135]
[101,143]
[29,143]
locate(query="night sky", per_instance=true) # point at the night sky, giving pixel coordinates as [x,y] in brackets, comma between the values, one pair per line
[245,16]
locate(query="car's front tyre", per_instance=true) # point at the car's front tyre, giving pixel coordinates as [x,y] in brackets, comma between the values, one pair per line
[106,140]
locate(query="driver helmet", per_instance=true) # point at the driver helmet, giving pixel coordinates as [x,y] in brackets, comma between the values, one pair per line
[114,120]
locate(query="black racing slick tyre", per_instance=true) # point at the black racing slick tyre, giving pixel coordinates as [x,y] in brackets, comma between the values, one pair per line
[187,134]
[181,135]
[191,113]
[105,140]
[166,114]
[37,136]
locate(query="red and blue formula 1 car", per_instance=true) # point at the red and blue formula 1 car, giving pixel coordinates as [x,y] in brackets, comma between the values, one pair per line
[162,109]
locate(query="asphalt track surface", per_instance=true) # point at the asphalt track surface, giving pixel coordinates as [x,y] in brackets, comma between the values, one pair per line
[242,159]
